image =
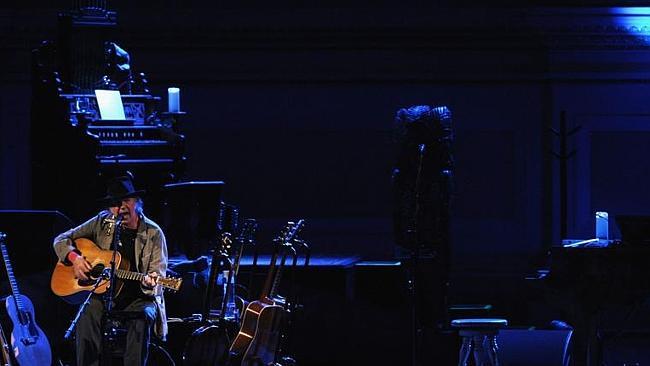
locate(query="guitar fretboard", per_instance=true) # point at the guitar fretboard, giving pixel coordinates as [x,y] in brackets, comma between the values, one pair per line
[10,274]
[166,282]
[291,231]
[129,275]
[278,276]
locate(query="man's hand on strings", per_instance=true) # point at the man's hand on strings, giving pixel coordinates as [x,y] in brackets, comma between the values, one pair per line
[150,280]
[80,267]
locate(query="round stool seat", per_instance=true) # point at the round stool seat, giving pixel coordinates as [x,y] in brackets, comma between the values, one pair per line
[480,323]
[479,337]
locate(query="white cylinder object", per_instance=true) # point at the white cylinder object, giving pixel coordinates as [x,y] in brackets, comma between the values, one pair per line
[602,226]
[174,100]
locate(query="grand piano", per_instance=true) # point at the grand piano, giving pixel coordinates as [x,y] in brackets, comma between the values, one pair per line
[74,151]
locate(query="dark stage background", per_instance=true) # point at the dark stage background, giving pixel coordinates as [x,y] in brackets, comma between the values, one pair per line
[292,105]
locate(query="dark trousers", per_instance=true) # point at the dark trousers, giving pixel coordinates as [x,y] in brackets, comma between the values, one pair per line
[89,335]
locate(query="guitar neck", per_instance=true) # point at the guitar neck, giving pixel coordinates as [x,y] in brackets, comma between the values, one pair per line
[275,271]
[166,282]
[270,277]
[10,273]
[278,276]
[238,258]
[129,275]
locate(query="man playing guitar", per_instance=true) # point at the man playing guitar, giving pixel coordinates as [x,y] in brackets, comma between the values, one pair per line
[142,244]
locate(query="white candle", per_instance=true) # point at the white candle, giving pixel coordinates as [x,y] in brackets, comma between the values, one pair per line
[174,100]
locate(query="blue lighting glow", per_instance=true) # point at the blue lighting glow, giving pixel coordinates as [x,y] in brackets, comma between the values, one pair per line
[633,19]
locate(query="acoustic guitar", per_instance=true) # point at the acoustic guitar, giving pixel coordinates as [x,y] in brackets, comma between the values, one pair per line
[258,339]
[75,290]
[29,344]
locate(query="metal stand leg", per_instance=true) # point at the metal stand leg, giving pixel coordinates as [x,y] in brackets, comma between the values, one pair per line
[481,357]
[465,351]
[485,350]
[492,349]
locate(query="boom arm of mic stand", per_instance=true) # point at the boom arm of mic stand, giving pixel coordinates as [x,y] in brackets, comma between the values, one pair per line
[82,309]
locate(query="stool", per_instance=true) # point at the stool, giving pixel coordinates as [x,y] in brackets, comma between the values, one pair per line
[115,339]
[116,328]
[479,336]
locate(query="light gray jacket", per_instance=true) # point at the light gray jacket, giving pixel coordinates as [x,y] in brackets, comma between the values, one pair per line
[150,253]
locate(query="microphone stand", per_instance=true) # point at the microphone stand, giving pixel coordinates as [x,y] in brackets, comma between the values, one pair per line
[110,293]
[446,175]
[415,259]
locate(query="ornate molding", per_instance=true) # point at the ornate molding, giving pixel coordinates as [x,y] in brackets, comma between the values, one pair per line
[479,44]
[607,28]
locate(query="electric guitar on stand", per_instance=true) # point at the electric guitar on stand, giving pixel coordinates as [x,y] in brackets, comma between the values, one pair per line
[259,337]
[29,344]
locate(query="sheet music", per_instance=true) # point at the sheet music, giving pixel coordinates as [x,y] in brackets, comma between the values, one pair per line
[110,104]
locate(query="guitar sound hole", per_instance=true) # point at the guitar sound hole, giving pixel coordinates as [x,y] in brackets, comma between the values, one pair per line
[94,273]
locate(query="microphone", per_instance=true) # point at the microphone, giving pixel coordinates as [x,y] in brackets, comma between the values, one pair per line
[110,222]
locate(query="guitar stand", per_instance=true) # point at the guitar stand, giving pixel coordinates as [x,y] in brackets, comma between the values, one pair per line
[218,260]
[291,306]
[210,342]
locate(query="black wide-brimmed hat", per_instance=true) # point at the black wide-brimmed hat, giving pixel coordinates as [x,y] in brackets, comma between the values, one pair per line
[118,189]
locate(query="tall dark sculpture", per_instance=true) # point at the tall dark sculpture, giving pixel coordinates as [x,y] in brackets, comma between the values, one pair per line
[422,180]
[422,177]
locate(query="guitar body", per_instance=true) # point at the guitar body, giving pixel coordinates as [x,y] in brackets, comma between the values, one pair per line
[257,341]
[245,335]
[28,342]
[264,344]
[73,290]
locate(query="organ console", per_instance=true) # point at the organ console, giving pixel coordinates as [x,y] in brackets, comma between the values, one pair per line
[73,150]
